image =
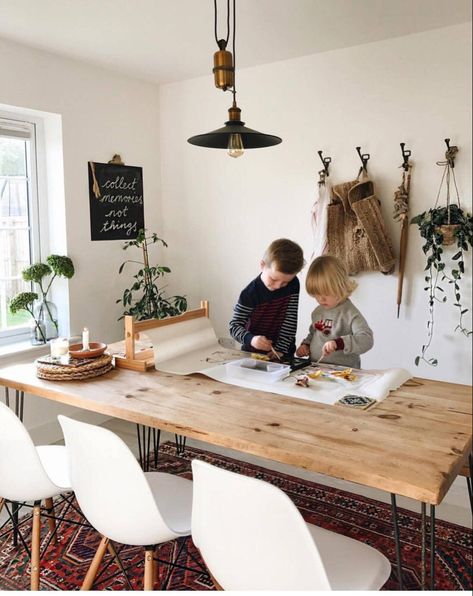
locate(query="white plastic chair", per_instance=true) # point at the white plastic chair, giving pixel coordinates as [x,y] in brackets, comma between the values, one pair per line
[252,537]
[121,501]
[29,473]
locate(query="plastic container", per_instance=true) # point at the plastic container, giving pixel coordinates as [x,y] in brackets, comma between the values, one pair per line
[257,370]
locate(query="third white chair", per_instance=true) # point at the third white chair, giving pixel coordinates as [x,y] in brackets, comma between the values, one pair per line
[252,537]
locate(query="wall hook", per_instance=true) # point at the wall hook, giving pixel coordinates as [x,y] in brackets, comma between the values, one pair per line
[326,162]
[406,153]
[450,153]
[364,157]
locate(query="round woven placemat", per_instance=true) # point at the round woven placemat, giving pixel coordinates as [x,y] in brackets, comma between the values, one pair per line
[56,372]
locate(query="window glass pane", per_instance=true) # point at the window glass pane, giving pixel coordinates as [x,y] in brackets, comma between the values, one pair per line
[12,157]
[14,228]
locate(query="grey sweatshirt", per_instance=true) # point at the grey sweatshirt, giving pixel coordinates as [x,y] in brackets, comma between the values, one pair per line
[344,324]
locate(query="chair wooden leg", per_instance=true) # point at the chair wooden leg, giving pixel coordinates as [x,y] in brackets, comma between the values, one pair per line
[94,566]
[35,541]
[51,521]
[149,569]
[156,564]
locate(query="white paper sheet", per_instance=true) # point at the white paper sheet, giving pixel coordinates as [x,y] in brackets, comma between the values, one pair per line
[375,384]
[188,347]
[192,347]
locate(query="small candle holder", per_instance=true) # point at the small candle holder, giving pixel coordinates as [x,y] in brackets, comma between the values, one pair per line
[59,347]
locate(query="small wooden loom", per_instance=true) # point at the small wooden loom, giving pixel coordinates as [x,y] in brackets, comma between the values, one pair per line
[144,359]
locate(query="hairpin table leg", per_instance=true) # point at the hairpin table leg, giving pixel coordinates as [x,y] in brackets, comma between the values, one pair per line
[180,444]
[397,540]
[432,547]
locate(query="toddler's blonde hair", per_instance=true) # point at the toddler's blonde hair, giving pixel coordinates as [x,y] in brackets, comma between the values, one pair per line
[327,276]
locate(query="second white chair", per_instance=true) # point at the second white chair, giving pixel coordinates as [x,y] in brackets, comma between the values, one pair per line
[121,501]
[252,537]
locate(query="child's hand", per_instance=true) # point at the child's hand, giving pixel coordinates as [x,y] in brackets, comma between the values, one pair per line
[260,342]
[303,350]
[275,356]
[329,347]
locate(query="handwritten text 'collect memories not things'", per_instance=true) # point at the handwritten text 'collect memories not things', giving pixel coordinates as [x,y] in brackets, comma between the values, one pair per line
[116,201]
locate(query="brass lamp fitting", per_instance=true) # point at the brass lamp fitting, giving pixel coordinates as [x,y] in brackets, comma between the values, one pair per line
[234,113]
[223,67]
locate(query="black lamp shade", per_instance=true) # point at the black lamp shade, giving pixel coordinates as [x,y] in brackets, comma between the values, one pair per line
[218,139]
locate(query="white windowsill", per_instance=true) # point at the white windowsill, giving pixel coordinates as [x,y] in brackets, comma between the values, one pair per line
[23,350]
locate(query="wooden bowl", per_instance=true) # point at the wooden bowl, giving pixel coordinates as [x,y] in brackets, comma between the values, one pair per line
[95,349]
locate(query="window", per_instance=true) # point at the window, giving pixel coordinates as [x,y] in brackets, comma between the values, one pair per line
[19,230]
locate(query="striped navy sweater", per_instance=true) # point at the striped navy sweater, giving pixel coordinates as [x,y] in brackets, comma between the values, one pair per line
[272,313]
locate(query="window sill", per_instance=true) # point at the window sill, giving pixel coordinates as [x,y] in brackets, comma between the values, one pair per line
[23,351]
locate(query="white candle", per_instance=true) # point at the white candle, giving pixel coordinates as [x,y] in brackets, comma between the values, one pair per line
[85,339]
[59,347]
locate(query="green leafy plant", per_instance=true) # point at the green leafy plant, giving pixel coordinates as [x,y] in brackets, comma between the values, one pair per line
[25,301]
[43,275]
[145,300]
[440,268]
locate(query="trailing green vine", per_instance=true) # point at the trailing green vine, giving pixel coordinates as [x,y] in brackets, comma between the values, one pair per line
[429,224]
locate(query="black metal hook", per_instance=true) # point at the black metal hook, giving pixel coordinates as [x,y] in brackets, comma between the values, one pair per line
[405,156]
[451,153]
[326,162]
[364,157]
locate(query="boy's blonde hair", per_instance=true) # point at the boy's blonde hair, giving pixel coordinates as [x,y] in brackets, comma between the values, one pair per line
[327,276]
[285,255]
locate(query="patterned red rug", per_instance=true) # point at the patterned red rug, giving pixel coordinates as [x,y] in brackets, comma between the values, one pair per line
[64,565]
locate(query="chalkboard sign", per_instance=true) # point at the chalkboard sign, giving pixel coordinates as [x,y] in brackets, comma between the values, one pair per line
[116,201]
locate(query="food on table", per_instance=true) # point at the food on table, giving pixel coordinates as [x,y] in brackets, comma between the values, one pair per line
[346,374]
[315,374]
[302,381]
[260,357]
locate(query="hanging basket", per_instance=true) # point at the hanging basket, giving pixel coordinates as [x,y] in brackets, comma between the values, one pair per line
[448,232]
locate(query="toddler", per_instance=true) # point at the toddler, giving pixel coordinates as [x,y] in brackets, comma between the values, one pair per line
[338,333]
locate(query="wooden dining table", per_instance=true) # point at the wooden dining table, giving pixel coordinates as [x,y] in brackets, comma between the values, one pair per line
[413,443]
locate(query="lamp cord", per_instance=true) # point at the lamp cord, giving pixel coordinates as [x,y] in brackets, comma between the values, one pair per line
[234,53]
[216,19]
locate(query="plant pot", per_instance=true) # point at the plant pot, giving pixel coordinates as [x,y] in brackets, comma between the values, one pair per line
[448,232]
[45,326]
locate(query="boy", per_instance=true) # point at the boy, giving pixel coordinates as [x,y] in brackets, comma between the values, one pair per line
[265,317]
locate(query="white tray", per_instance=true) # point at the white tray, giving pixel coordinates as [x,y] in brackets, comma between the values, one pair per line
[257,370]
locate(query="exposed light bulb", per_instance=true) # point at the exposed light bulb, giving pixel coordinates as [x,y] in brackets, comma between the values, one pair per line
[235,145]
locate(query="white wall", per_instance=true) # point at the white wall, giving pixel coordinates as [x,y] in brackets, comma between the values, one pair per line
[219,214]
[102,113]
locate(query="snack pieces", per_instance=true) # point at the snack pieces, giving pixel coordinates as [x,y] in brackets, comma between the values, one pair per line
[316,374]
[256,356]
[302,381]
[344,374]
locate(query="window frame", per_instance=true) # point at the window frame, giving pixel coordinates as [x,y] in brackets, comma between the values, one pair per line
[33,148]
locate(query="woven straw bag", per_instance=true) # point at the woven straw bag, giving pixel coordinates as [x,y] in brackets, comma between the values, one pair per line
[356,231]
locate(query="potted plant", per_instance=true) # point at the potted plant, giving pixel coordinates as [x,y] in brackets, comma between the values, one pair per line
[145,300]
[42,310]
[444,227]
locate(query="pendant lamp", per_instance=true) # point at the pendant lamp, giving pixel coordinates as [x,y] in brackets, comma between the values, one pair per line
[234,136]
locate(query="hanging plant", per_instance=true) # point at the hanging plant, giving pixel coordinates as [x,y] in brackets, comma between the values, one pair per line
[444,227]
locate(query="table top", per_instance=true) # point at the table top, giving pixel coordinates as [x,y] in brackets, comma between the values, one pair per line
[413,443]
